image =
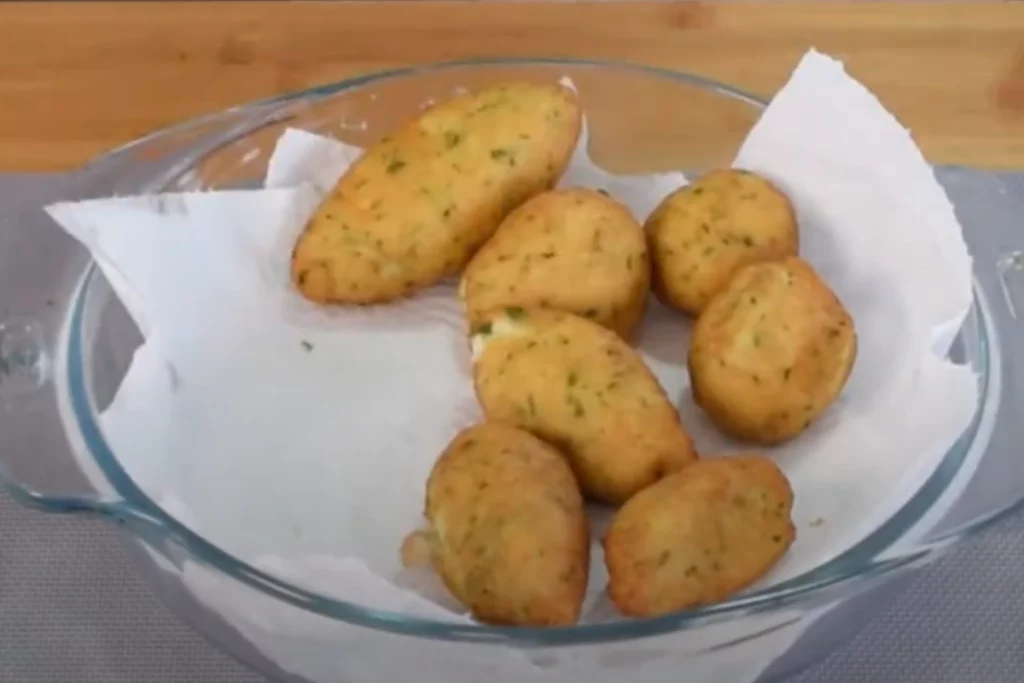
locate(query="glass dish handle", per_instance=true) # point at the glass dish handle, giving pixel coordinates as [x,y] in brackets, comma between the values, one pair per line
[41,270]
[37,467]
[38,463]
[41,466]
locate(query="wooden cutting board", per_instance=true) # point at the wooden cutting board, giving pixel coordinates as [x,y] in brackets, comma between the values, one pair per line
[77,78]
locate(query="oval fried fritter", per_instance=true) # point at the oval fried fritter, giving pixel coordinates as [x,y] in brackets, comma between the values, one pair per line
[417,205]
[771,352]
[699,535]
[573,250]
[701,234]
[508,530]
[580,387]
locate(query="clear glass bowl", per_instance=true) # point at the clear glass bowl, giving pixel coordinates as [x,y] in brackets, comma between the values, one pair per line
[65,343]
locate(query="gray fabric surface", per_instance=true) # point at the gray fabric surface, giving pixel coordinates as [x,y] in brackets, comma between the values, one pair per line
[71,609]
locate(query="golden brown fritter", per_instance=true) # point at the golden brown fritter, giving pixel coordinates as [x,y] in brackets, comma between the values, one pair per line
[698,536]
[508,531]
[701,234]
[580,387]
[573,250]
[771,352]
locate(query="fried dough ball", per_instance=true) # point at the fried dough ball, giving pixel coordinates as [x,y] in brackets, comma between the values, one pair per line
[574,250]
[771,352]
[580,387]
[701,234]
[508,530]
[698,536]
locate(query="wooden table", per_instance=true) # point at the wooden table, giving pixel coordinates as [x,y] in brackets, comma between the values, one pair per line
[77,78]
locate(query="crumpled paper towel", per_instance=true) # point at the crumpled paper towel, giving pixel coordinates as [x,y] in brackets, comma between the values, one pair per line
[292,433]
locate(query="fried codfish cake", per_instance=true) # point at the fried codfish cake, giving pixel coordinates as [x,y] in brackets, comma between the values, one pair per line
[771,352]
[580,387]
[701,234]
[418,204]
[508,531]
[699,535]
[574,250]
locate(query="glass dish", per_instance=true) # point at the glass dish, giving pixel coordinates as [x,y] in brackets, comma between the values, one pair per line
[65,343]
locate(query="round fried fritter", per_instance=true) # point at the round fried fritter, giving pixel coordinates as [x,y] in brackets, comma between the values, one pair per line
[771,352]
[573,250]
[508,530]
[580,387]
[699,535]
[701,234]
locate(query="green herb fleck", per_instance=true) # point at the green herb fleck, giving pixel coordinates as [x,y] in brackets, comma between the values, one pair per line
[573,379]
[603,191]
[395,166]
[706,228]
[698,190]
[576,405]
[452,139]
[748,241]
[664,558]
[515,312]
[306,345]
[590,313]
[531,405]
[483,328]
[776,539]
[786,373]
[501,154]
[708,251]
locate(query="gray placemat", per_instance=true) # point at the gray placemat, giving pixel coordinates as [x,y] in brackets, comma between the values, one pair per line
[71,610]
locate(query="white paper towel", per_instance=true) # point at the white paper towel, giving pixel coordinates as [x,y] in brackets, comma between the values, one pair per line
[291,432]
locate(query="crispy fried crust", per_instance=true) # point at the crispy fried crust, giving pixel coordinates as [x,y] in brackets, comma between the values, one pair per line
[771,352]
[701,234]
[699,535]
[582,388]
[509,534]
[419,203]
[574,250]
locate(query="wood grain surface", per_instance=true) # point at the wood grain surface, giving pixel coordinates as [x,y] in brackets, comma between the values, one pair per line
[77,78]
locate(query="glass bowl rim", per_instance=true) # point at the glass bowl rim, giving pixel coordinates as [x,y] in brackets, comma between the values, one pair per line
[859,562]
